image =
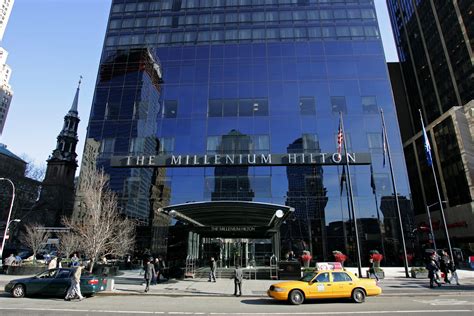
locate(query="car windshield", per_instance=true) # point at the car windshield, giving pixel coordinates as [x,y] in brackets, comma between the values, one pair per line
[308,277]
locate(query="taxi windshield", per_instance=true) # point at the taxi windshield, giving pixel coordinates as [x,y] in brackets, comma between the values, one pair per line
[308,277]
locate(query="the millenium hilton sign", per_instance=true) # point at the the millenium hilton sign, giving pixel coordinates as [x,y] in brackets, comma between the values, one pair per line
[229,160]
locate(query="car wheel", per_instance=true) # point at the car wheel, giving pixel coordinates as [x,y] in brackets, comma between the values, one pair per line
[18,291]
[296,297]
[358,295]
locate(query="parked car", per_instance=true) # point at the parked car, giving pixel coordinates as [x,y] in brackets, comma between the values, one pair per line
[324,285]
[54,282]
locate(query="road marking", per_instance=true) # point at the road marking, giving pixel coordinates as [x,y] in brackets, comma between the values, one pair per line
[448,302]
[201,313]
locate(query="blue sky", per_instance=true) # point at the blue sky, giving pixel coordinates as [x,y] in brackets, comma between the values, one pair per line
[51,43]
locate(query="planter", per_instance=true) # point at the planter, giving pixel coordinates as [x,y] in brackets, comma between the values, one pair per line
[419,274]
[380,274]
[25,270]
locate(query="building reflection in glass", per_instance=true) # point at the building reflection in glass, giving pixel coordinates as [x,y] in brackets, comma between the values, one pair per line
[307,194]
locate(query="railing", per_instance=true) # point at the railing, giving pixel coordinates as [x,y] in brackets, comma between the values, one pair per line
[190,269]
[273,268]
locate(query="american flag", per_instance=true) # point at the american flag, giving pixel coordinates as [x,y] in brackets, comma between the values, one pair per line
[340,138]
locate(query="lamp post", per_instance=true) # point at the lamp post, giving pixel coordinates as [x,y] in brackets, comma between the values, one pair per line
[9,215]
[431,225]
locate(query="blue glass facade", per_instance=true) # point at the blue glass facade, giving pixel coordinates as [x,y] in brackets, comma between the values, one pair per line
[259,77]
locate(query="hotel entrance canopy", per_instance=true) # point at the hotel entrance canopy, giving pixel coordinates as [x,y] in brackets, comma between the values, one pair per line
[231,219]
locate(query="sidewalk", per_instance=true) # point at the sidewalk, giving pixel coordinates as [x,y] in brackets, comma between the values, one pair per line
[395,284]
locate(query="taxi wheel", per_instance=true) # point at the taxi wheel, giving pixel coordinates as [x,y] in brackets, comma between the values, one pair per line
[296,297]
[358,295]
[18,291]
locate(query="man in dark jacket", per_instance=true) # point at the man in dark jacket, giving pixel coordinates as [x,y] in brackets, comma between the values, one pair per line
[445,263]
[213,267]
[149,273]
[433,268]
[238,277]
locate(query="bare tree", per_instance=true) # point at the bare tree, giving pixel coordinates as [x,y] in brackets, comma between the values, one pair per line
[69,242]
[34,171]
[35,238]
[101,228]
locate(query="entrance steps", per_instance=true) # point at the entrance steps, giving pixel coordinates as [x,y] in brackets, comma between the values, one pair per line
[260,273]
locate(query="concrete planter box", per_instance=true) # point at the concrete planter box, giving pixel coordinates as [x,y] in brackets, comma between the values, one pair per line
[419,274]
[25,270]
[380,274]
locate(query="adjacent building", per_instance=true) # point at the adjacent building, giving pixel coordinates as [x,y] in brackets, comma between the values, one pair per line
[5,11]
[6,92]
[182,81]
[435,75]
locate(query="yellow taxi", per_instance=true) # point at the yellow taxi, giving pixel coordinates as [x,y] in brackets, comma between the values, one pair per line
[323,285]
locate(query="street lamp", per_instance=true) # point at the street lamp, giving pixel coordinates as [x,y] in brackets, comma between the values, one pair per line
[431,225]
[9,214]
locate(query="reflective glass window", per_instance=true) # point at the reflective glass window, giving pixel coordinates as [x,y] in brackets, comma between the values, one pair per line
[230,107]
[130,7]
[246,107]
[323,277]
[261,144]
[171,109]
[310,142]
[142,6]
[166,145]
[115,24]
[215,108]
[136,145]
[340,14]
[338,104]
[107,145]
[314,32]
[127,23]
[260,107]
[341,277]
[112,110]
[153,22]
[307,106]
[369,104]
[213,143]
[117,8]
[375,140]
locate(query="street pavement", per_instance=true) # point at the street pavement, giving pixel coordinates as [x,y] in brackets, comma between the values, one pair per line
[200,297]
[239,306]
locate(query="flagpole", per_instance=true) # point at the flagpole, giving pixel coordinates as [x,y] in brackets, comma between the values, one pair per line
[402,233]
[441,208]
[382,237]
[349,181]
[344,230]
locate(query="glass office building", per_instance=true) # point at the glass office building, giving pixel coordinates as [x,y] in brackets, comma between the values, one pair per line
[434,42]
[244,77]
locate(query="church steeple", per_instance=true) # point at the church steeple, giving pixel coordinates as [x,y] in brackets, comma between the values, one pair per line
[73,110]
[67,139]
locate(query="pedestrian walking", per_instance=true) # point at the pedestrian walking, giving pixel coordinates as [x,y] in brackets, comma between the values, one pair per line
[238,278]
[372,271]
[433,269]
[157,265]
[149,273]
[454,274]
[75,287]
[9,261]
[445,262]
[212,272]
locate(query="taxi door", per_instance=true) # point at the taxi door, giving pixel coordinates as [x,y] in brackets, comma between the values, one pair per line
[321,286]
[342,284]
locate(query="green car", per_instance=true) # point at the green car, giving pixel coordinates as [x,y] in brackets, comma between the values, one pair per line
[54,282]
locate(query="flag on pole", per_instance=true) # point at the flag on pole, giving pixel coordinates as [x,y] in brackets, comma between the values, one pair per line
[343,178]
[372,180]
[340,138]
[426,142]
